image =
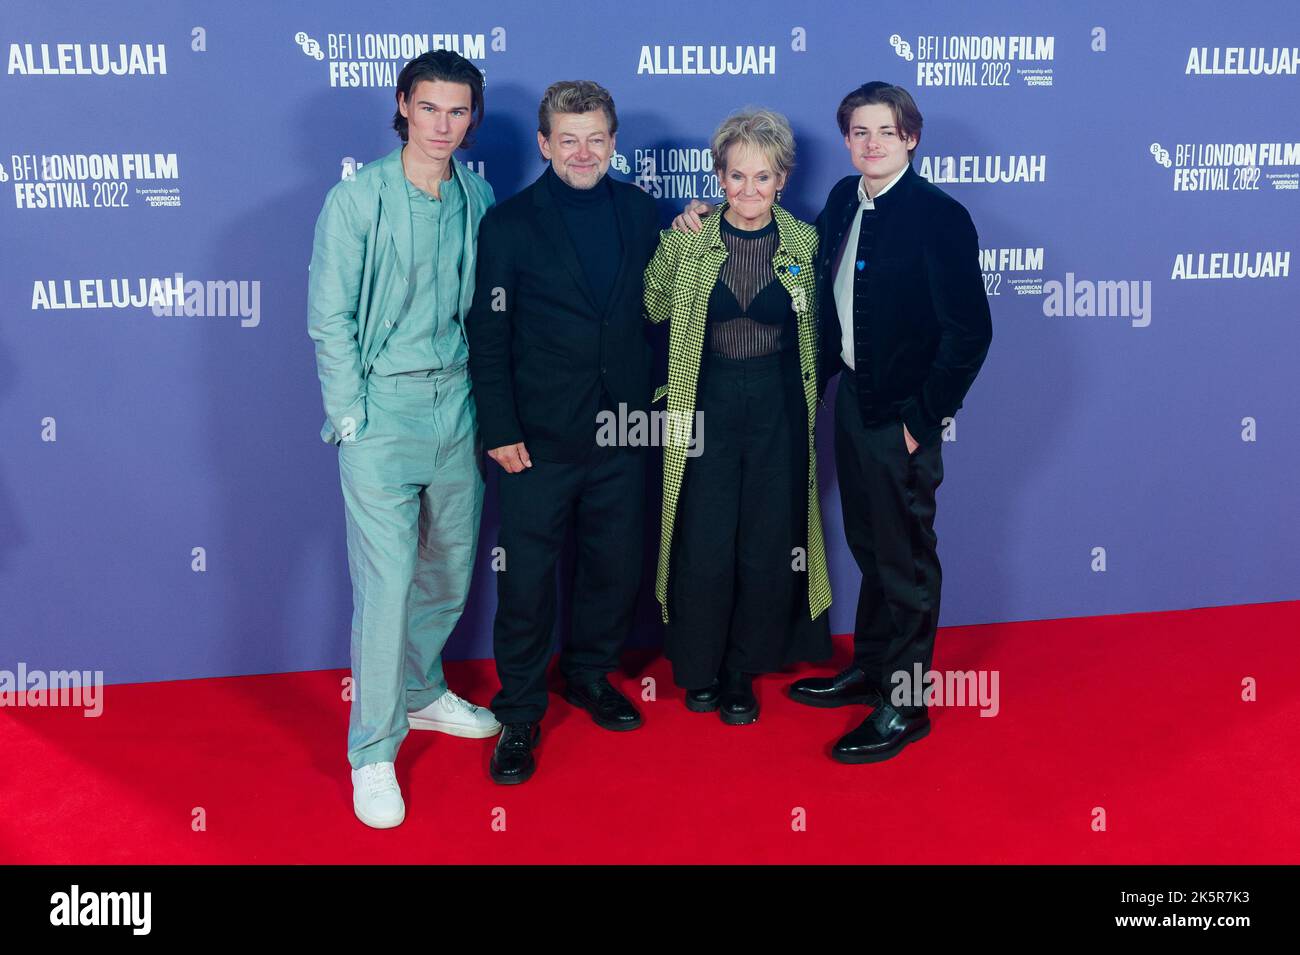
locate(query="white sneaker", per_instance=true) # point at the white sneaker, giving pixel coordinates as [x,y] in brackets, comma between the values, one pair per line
[450,714]
[376,797]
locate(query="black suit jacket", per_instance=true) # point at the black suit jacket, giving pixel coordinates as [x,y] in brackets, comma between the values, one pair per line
[927,328]
[540,350]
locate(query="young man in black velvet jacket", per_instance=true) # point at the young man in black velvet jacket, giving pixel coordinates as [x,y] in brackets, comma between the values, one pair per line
[906,319]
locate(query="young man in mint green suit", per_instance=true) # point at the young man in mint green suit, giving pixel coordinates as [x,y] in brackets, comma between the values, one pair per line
[391,279]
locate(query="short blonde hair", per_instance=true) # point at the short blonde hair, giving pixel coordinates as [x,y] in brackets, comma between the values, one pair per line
[762,129]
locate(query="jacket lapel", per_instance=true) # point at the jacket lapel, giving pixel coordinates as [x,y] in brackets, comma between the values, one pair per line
[709,252]
[792,264]
[397,210]
[627,234]
[547,214]
[473,213]
[847,212]
[789,252]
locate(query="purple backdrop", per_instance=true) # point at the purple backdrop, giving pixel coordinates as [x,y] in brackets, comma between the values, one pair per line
[1137,397]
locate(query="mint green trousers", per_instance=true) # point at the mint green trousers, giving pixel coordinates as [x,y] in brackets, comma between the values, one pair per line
[413,494]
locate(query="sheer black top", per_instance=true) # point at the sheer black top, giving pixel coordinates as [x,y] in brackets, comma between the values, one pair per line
[750,314]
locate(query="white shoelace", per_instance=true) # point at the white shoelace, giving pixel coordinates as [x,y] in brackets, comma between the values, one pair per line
[451,702]
[379,780]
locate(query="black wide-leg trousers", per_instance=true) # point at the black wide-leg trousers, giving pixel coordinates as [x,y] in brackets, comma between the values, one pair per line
[738,587]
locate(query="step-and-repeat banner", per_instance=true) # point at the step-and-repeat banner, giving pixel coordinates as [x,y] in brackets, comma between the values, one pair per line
[168,510]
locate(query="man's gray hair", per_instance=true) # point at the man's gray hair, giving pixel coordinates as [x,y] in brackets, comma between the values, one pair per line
[575,96]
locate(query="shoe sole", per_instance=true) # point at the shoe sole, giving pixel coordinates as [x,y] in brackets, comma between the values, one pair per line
[375,823]
[512,780]
[696,707]
[739,719]
[829,703]
[453,729]
[615,727]
[883,754]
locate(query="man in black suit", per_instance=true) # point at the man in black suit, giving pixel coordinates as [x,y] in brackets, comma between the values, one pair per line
[556,337]
[905,316]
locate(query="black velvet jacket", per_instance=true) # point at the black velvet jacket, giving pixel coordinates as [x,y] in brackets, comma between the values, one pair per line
[927,328]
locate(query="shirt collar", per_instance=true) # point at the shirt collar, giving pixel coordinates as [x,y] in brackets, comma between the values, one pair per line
[862,192]
[449,188]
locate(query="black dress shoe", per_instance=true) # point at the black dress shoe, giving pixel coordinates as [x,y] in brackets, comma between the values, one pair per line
[849,688]
[512,760]
[608,707]
[882,735]
[738,704]
[705,700]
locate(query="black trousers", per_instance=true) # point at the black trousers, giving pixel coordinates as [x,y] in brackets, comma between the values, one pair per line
[738,592]
[888,498]
[602,498]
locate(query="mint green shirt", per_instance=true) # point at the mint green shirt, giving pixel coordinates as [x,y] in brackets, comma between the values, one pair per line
[428,335]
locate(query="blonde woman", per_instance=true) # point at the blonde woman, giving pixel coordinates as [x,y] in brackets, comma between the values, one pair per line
[742,578]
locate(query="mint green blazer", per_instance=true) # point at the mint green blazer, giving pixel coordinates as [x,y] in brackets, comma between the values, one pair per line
[352,304]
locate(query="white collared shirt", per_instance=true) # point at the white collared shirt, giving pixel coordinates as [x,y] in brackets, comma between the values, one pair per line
[843,287]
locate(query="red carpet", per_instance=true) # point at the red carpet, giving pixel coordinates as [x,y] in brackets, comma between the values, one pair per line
[1139,714]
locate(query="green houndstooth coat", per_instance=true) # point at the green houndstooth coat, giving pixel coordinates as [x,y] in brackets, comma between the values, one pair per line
[677,285]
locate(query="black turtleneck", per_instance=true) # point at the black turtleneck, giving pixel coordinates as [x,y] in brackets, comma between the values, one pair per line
[592,224]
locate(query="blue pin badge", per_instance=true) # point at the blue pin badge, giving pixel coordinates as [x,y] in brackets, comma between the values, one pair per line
[794,270]
[862,264]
